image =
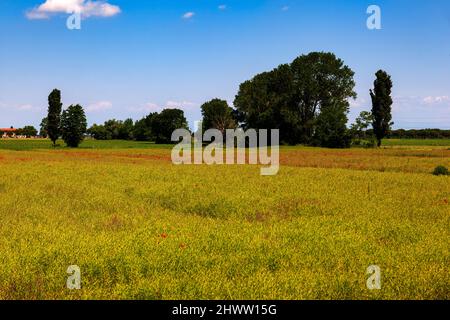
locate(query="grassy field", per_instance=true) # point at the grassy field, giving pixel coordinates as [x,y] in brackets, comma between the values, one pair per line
[31,144]
[142,228]
[417,142]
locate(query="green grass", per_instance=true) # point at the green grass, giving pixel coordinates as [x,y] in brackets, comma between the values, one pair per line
[30,144]
[416,142]
[142,228]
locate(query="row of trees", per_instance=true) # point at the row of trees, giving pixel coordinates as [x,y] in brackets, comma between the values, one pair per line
[113,129]
[70,124]
[419,134]
[27,131]
[307,100]
[156,127]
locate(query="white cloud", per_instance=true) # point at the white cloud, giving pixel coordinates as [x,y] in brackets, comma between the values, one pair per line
[285,8]
[99,106]
[420,111]
[154,107]
[412,111]
[222,7]
[87,8]
[25,107]
[22,107]
[357,103]
[436,99]
[151,107]
[188,15]
[181,104]
[36,15]
[147,108]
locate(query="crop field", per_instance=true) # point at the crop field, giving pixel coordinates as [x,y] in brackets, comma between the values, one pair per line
[140,227]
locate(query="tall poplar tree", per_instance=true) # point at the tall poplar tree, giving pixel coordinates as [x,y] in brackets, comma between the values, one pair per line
[54,115]
[381,105]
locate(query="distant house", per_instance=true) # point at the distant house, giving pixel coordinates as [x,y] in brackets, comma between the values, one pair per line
[8,132]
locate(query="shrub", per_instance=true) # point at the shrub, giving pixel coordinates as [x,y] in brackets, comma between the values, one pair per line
[371,143]
[364,143]
[441,171]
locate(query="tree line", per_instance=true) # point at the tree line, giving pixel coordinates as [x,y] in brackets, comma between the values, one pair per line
[27,131]
[157,127]
[419,134]
[307,100]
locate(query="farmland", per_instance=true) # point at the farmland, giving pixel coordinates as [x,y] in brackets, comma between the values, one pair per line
[140,227]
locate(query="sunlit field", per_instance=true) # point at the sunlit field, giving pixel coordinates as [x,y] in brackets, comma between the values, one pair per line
[140,227]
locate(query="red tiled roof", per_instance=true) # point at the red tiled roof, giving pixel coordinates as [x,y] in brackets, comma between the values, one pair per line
[8,130]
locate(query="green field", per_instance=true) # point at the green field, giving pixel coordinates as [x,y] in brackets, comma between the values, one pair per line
[30,144]
[140,227]
[417,142]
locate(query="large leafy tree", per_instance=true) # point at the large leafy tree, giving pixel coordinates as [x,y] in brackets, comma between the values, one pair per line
[331,130]
[320,79]
[217,114]
[54,115]
[381,105]
[260,100]
[73,125]
[165,122]
[291,96]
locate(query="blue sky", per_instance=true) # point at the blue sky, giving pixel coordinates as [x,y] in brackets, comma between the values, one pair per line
[132,57]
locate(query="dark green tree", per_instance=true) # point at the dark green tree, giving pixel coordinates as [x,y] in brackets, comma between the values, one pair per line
[291,97]
[142,130]
[260,100]
[28,131]
[43,128]
[99,132]
[126,129]
[381,105]
[217,114]
[73,125]
[330,127]
[54,115]
[164,123]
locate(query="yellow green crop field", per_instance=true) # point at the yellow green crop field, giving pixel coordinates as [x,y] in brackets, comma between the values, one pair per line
[140,227]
